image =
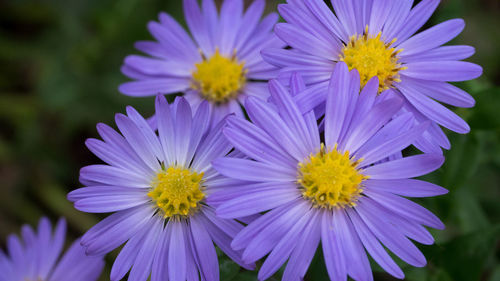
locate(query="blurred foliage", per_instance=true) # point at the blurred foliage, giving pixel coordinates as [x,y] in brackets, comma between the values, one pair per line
[59,72]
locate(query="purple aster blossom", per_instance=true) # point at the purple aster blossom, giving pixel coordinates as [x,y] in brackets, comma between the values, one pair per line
[218,61]
[344,190]
[377,37]
[156,184]
[36,256]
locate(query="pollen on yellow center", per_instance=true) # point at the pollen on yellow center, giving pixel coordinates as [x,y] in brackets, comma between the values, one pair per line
[330,179]
[177,191]
[371,56]
[219,79]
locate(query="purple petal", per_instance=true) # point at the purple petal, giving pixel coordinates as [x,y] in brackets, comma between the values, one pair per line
[388,234]
[230,20]
[406,208]
[284,248]
[103,199]
[254,142]
[260,200]
[265,117]
[303,252]
[408,167]
[305,42]
[109,175]
[332,249]
[358,266]
[443,53]
[336,104]
[196,24]
[249,22]
[442,91]
[327,18]
[451,71]
[128,255]
[139,141]
[434,111]
[115,230]
[205,250]
[406,187]
[238,168]
[416,19]
[245,236]
[177,252]
[432,37]
[377,117]
[373,246]
[394,145]
[153,87]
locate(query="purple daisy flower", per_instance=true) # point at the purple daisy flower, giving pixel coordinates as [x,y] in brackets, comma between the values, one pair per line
[157,185]
[222,64]
[376,37]
[345,191]
[37,256]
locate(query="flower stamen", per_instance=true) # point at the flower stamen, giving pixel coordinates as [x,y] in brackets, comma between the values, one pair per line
[177,191]
[371,56]
[219,79]
[330,179]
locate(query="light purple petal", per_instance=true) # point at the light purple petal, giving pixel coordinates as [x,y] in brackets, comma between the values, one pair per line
[128,255]
[305,42]
[394,145]
[177,252]
[406,208]
[254,142]
[372,245]
[389,235]
[337,103]
[115,229]
[284,248]
[406,187]
[153,87]
[416,19]
[443,53]
[109,175]
[262,199]
[239,169]
[377,117]
[408,167]
[451,71]
[358,266]
[139,141]
[205,250]
[103,199]
[434,111]
[432,37]
[332,249]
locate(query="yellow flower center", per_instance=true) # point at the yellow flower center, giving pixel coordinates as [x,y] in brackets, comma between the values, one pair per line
[219,79]
[372,57]
[330,179]
[177,191]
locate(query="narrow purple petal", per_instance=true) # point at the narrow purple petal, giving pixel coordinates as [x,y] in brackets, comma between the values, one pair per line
[205,250]
[451,71]
[153,87]
[406,187]
[408,167]
[177,252]
[432,37]
[406,208]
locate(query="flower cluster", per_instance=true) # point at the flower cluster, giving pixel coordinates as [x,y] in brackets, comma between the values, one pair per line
[285,137]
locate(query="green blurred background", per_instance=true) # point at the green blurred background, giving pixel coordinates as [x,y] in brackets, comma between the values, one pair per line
[59,72]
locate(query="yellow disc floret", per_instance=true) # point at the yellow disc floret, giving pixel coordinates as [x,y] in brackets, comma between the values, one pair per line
[177,191]
[219,79]
[330,179]
[371,56]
